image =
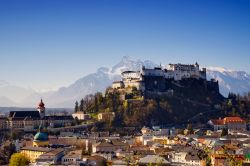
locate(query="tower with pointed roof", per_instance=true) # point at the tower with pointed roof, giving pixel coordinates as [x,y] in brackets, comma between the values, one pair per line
[41,109]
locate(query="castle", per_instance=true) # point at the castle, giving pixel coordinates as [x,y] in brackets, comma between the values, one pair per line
[155,79]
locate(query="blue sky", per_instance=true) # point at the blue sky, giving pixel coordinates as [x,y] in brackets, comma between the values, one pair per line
[45,44]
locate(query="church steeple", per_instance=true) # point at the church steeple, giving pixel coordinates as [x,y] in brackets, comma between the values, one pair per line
[41,108]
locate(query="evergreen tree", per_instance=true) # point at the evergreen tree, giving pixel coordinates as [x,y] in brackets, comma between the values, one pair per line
[190,129]
[96,107]
[76,106]
[81,105]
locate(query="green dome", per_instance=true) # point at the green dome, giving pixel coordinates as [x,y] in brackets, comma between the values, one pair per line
[41,137]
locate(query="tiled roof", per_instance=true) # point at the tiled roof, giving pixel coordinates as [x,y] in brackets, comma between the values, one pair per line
[104,144]
[119,143]
[53,152]
[73,154]
[111,143]
[192,157]
[24,114]
[233,120]
[153,159]
[39,149]
[227,120]
[218,121]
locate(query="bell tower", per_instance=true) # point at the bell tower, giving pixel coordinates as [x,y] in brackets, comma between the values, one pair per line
[41,109]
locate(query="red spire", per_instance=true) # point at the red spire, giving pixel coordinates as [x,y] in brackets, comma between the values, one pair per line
[41,104]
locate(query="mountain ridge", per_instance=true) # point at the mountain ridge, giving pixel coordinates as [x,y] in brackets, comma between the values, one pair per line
[229,81]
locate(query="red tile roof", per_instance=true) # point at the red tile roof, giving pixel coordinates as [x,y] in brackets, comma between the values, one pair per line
[235,119]
[226,120]
[218,121]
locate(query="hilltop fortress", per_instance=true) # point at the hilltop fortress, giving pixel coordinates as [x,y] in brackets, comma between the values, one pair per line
[159,79]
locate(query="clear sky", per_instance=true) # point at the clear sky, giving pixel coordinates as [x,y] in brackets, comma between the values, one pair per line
[45,44]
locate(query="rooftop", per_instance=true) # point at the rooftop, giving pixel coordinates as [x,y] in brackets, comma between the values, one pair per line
[153,159]
[40,149]
[24,114]
[53,152]
[73,154]
[233,120]
[226,120]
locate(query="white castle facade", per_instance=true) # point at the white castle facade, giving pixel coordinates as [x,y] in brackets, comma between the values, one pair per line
[172,71]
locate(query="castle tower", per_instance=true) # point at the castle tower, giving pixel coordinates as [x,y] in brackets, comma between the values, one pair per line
[41,109]
[197,66]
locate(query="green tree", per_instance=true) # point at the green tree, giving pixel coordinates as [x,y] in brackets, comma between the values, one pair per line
[190,129]
[76,106]
[81,108]
[96,105]
[15,134]
[17,159]
[181,131]
[6,150]
[77,121]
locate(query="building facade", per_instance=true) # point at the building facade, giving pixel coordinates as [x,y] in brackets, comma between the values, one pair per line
[230,123]
[106,116]
[3,123]
[31,120]
[147,79]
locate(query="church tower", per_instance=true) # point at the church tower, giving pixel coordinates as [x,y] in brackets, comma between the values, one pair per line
[41,138]
[41,109]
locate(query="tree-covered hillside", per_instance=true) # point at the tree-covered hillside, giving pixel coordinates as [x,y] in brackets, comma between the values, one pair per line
[191,101]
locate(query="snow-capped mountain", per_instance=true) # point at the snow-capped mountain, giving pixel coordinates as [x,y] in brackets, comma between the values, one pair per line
[95,82]
[229,81]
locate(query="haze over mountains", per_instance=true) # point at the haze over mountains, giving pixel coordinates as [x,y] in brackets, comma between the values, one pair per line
[10,95]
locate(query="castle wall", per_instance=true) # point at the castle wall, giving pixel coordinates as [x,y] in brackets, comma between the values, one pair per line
[155,83]
[131,75]
[156,79]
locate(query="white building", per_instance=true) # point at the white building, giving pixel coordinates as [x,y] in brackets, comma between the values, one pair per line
[230,123]
[187,158]
[172,71]
[72,158]
[80,116]
[180,71]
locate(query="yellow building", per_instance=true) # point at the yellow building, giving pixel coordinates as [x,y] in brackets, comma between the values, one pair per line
[106,116]
[32,153]
[40,146]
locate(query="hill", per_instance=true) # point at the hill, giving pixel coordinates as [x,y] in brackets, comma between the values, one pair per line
[229,81]
[192,101]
